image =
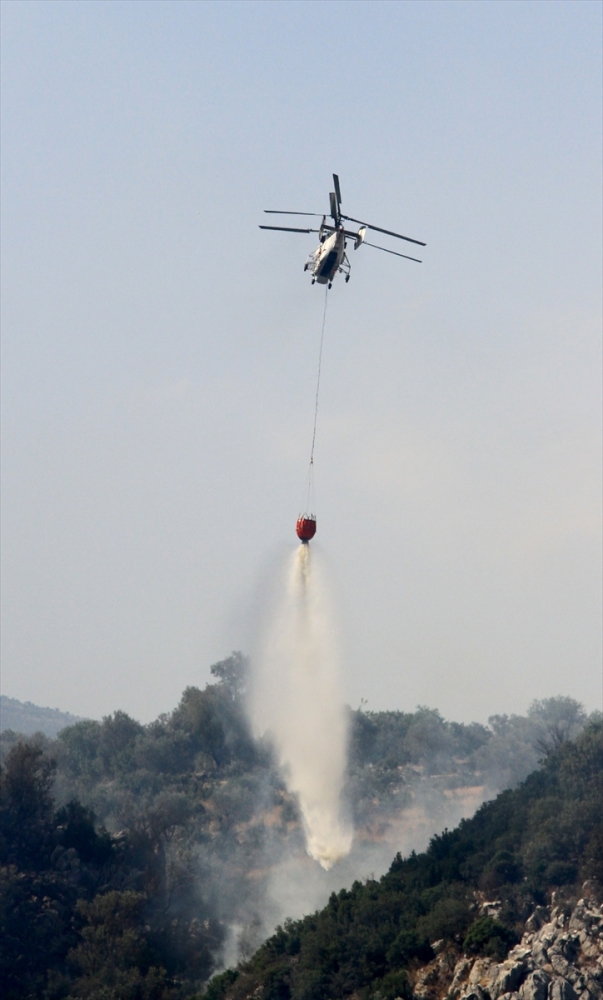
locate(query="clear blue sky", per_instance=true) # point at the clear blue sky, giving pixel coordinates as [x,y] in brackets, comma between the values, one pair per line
[159,350]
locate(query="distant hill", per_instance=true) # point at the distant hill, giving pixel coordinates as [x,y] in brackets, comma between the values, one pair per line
[27,718]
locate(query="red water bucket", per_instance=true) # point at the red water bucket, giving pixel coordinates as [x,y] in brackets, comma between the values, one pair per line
[306,527]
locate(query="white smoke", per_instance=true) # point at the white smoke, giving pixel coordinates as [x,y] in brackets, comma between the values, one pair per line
[296,700]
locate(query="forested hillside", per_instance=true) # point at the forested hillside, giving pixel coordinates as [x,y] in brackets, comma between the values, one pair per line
[136,858]
[371,939]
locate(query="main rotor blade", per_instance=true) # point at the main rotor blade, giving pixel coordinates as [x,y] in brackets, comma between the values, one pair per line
[395,252]
[276,211]
[337,189]
[289,229]
[387,232]
[335,215]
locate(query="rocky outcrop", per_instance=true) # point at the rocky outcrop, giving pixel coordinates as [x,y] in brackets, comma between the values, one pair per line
[560,957]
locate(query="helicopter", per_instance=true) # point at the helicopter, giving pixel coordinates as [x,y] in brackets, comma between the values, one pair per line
[330,256]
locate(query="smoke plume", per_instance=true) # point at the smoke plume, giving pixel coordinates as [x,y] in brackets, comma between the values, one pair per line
[297,702]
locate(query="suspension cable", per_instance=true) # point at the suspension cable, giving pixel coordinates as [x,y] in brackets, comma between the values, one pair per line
[322,335]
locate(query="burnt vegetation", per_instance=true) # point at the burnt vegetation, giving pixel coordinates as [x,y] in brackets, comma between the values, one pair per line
[127,850]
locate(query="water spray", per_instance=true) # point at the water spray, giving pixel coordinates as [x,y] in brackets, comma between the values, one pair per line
[297,700]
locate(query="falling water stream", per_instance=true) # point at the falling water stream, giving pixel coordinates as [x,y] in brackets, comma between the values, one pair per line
[297,700]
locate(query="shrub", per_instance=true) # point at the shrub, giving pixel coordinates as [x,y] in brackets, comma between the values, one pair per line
[449,919]
[393,986]
[217,987]
[503,869]
[488,936]
[407,946]
[561,873]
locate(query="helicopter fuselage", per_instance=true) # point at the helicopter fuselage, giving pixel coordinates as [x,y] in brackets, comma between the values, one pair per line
[330,256]
[326,260]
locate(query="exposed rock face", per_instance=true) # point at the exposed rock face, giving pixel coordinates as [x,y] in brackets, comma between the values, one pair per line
[560,957]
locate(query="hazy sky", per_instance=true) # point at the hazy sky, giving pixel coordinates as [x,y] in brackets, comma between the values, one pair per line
[160,350]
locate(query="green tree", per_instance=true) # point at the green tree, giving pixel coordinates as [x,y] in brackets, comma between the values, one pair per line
[558,720]
[26,807]
[232,673]
[114,958]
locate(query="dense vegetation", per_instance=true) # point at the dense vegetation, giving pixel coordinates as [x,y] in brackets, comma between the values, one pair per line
[127,851]
[84,914]
[547,833]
